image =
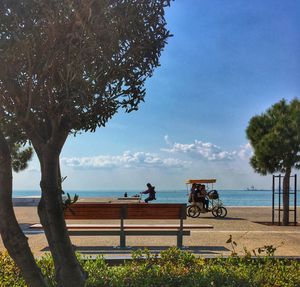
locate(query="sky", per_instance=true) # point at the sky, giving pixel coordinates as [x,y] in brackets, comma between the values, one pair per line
[227,61]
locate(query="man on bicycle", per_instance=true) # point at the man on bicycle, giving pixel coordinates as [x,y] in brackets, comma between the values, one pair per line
[151,192]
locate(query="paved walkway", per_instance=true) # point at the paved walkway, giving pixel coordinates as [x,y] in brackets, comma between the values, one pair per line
[243,223]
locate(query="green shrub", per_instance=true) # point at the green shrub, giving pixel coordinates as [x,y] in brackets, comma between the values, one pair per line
[47,266]
[9,272]
[172,267]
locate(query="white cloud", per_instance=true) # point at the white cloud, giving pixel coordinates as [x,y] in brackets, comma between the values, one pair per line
[245,151]
[203,150]
[208,151]
[126,160]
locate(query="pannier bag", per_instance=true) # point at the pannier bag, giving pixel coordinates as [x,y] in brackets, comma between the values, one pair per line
[213,195]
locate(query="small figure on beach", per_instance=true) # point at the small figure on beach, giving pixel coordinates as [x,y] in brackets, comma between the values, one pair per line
[125,194]
[151,191]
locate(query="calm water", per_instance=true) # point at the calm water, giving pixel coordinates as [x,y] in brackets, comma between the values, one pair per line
[229,197]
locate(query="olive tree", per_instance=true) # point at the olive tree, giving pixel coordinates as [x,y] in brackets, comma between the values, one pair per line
[275,138]
[69,66]
[13,156]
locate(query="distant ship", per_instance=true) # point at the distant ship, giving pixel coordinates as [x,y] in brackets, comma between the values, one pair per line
[251,188]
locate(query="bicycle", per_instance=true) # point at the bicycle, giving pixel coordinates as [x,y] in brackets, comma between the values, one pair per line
[215,205]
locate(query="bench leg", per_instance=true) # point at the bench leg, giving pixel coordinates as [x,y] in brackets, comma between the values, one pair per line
[179,239]
[122,240]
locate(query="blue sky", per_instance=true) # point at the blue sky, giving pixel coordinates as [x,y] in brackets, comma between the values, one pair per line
[227,61]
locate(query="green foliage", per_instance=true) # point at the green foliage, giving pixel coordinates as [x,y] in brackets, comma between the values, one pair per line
[77,61]
[268,250]
[233,245]
[16,141]
[47,266]
[275,138]
[9,272]
[69,200]
[20,157]
[170,268]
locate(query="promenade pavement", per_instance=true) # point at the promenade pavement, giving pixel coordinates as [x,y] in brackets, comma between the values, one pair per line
[243,223]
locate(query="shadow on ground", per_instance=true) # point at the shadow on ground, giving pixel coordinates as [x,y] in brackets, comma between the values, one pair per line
[276,223]
[30,231]
[228,218]
[104,250]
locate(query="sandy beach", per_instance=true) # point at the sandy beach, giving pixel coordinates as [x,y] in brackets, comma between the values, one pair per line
[245,224]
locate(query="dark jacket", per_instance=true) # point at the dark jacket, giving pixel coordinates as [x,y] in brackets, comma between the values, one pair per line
[150,191]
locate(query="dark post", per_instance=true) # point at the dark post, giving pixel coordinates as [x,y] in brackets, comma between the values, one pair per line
[295,201]
[122,232]
[273,198]
[279,198]
[180,231]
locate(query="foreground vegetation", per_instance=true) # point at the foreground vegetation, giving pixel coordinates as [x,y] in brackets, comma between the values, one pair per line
[172,268]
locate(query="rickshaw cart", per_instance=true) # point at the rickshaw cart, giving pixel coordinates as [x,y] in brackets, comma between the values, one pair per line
[215,205]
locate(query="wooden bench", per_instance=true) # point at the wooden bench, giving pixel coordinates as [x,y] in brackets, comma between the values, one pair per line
[133,211]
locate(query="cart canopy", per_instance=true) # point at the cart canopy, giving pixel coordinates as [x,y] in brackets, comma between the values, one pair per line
[191,181]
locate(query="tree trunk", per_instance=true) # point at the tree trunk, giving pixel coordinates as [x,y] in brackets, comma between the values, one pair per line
[286,197]
[13,238]
[68,270]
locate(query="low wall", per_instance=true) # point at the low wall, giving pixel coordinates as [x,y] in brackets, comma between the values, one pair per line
[34,200]
[26,200]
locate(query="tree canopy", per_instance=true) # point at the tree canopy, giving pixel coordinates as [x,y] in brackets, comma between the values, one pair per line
[77,62]
[275,138]
[20,152]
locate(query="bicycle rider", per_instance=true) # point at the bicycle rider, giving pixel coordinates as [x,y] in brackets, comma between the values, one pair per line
[151,191]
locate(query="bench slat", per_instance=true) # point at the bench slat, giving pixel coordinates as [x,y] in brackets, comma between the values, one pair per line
[131,226]
[127,233]
[154,211]
[93,211]
[83,211]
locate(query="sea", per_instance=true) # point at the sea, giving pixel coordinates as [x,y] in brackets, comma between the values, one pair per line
[228,197]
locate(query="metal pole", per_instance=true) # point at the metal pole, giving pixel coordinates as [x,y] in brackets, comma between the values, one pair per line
[279,199]
[273,195]
[180,231]
[295,201]
[122,232]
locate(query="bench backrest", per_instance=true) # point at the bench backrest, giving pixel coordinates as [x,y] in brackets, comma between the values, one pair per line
[125,211]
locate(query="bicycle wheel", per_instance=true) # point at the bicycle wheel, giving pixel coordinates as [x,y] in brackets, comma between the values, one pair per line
[193,211]
[215,212]
[187,208]
[221,212]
